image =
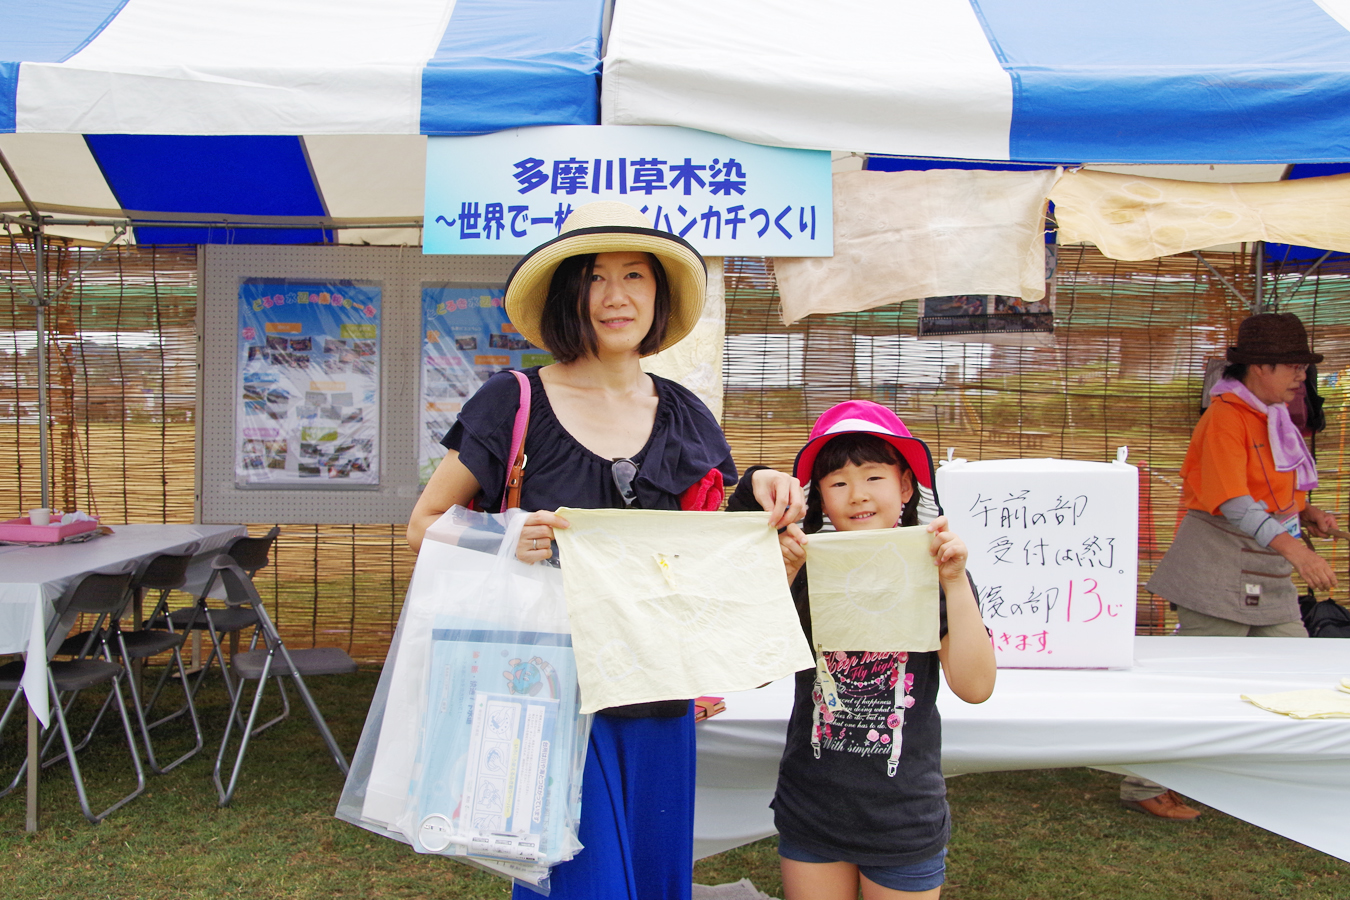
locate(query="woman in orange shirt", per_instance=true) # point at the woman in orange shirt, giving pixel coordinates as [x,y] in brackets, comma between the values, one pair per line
[1245,484]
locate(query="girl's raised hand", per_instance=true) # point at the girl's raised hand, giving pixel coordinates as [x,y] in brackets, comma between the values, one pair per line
[949,552]
[792,542]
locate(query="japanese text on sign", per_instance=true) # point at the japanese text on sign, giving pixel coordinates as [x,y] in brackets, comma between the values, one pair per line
[505,193]
[1054,555]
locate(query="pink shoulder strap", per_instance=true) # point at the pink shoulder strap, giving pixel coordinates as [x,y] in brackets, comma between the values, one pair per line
[517,430]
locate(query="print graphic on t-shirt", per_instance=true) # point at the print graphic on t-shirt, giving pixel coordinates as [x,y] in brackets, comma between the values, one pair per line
[874,690]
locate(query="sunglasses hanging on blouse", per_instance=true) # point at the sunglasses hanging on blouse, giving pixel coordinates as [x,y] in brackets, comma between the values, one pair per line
[624,471]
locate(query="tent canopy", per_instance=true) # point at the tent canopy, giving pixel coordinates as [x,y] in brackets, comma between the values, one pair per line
[1051,81]
[195,108]
[306,119]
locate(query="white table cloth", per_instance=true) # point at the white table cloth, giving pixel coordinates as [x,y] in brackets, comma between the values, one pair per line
[32,579]
[1175,717]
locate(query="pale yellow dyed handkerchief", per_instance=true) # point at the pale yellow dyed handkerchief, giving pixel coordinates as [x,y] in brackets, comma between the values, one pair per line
[873,590]
[1345,685]
[1317,703]
[666,605]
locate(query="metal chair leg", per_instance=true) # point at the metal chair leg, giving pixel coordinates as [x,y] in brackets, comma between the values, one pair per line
[227,793]
[75,765]
[145,728]
[314,714]
[4,719]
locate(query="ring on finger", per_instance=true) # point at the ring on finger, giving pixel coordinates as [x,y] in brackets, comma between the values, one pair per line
[534,544]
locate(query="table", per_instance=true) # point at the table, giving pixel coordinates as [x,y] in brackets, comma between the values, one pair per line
[1176,717]
[32,579]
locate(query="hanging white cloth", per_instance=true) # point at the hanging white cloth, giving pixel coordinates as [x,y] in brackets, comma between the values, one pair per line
[909,235]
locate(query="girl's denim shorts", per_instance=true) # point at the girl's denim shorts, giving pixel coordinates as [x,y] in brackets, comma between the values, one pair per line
[920,876]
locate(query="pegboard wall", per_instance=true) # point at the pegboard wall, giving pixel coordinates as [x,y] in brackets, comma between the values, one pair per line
[400,272]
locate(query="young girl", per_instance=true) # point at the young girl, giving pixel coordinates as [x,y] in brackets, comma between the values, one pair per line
[860,799]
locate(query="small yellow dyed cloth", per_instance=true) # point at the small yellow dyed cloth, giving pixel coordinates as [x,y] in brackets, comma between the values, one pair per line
[1315,703]
[873,590]
[666,605]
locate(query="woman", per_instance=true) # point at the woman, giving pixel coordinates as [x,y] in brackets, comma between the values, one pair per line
[1245,483]
[604,434]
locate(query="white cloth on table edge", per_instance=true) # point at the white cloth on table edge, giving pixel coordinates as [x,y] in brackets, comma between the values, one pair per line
[1176,718]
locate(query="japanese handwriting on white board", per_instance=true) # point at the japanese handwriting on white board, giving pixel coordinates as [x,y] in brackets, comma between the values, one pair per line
[1091,552]
[1016,510]
[1053,554]
[1079,601]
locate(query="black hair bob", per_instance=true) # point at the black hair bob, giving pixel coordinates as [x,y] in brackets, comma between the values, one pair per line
[565,324]
[857,448]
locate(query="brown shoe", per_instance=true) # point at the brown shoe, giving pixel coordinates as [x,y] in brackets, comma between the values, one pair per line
[1166,805]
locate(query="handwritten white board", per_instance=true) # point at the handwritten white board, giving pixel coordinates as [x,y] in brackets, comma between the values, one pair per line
[1054,552]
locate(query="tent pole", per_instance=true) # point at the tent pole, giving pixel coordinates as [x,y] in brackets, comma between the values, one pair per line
[40,305]
[1258,302]
[40,327]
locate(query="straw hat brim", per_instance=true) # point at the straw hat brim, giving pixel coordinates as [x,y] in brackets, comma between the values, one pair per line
[686,274]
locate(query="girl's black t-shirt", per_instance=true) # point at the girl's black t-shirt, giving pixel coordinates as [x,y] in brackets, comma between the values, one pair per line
[875,795]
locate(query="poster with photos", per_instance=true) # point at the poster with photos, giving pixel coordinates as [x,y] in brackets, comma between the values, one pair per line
[992,318]
[466,337]
[307,411]
[982,315]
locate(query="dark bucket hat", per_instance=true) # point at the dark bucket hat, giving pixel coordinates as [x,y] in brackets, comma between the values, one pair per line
[1272,338]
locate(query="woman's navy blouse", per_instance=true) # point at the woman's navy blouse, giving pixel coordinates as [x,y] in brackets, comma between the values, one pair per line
[686,442]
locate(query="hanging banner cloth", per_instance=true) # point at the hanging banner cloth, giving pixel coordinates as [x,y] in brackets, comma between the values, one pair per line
[874,590]
[666,605]
[1130,217]
[908,235]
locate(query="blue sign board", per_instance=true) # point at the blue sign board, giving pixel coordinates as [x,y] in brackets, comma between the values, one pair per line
[508,192]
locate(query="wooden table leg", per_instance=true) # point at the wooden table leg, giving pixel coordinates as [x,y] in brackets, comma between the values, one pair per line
[34,768]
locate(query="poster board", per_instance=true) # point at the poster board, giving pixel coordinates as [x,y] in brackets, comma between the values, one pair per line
[400,274]
[466,338]
[1054,553]
[308,404]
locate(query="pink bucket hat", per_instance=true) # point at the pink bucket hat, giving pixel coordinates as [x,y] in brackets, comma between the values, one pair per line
[865,417]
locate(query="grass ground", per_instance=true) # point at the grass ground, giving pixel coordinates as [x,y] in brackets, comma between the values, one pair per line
[1017,836]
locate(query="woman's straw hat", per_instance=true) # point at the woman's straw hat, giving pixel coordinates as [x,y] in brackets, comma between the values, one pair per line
[606,227]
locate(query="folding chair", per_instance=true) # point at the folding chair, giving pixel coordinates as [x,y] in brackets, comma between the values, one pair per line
[272,659]
[251,554]
[101,594]
[166,572]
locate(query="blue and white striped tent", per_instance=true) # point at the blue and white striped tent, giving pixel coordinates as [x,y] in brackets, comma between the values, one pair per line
[1087,81]
[289,108]
[314,111]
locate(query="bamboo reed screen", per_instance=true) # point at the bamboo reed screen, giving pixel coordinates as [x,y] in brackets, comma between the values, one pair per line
[122,365]
[1123,367]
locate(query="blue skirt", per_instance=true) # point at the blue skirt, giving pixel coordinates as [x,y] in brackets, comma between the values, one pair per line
[637,814]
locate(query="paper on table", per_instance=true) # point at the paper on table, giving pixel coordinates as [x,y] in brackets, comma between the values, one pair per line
[666,605]
[874,590]
[1316,703]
